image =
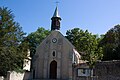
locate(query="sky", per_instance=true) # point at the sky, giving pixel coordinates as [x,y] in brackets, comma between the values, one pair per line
[96,16]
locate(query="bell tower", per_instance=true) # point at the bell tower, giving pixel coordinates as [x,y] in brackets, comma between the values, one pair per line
[55,24]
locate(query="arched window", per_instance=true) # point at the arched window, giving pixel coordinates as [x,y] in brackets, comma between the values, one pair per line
[53,53]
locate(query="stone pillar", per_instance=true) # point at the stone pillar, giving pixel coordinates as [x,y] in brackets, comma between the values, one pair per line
[45,74]
[58,70]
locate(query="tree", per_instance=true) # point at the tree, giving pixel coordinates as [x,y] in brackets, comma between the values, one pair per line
[86,44]
[11,35]
[111,44]
[36,38]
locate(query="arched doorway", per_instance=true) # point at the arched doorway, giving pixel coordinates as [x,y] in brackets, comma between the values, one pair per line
[53,70]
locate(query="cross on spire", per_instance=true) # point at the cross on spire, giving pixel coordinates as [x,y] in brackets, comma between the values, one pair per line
[57,2]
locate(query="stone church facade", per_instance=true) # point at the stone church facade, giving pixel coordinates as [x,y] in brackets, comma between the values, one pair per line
[54,58]
[55,55]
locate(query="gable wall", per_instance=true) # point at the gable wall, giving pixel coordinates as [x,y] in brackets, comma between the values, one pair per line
[63,57]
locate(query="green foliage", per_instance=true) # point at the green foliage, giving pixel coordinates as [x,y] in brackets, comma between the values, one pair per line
[86,44]
[111,44]
[36,38]
[11,35]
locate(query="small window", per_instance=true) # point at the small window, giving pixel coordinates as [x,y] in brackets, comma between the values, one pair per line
[83,72]
[53,53]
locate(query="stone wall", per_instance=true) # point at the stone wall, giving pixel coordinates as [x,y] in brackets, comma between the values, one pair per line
[103,70]
[12,75]
[107,70]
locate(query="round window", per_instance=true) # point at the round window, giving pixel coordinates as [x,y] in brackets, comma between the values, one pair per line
[54,40]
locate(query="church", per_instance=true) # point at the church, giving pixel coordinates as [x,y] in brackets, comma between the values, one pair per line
[55,56]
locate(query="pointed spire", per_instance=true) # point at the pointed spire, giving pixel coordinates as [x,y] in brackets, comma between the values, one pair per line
[55,25]
[56,14]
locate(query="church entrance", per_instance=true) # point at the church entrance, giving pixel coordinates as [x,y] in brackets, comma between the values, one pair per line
[53,70]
